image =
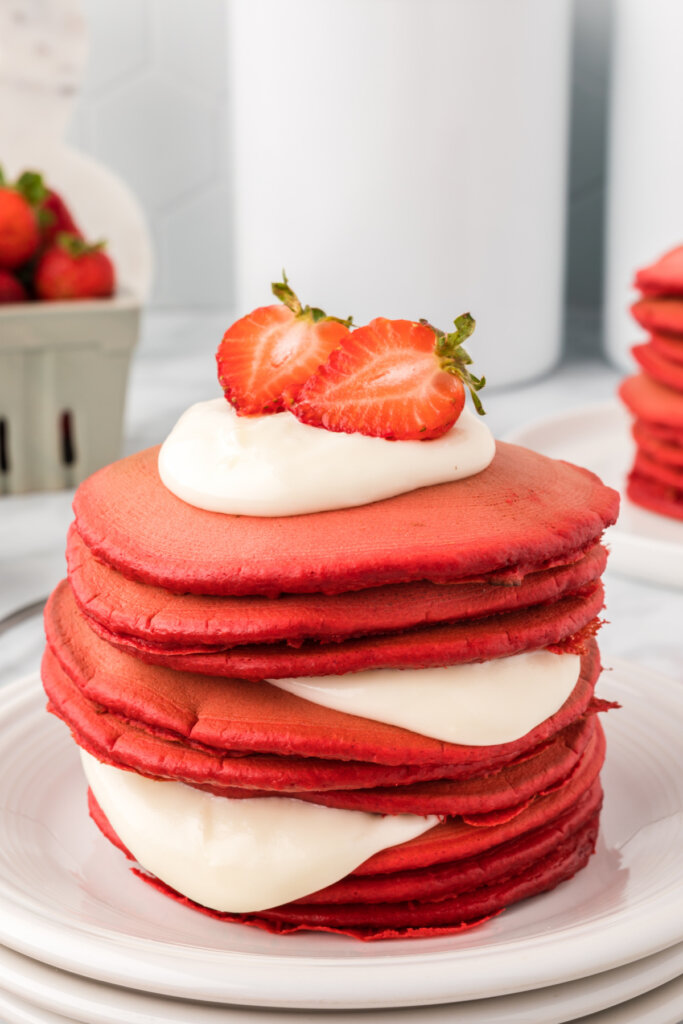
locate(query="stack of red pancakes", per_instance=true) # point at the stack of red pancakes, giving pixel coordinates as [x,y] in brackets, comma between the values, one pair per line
[655,396]
[172,619]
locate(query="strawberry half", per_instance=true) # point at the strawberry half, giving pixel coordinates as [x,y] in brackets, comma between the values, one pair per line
[396,379]
[265,357]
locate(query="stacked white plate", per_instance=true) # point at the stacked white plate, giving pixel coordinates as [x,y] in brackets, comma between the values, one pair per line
[85,940]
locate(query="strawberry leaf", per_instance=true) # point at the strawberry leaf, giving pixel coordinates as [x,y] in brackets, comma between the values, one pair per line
[282,291]
[30,185]
[455,359]
[76,246]
[286,295]
[46,218]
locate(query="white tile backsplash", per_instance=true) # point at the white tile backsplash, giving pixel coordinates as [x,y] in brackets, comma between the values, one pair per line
[154,108]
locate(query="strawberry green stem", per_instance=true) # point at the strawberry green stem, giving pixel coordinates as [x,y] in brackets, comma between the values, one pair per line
[455,359]
[76,246]
[282,291]
[31,186]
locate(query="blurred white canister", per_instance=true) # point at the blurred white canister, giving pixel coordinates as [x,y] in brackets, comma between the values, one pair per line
[645,180]
[407,158]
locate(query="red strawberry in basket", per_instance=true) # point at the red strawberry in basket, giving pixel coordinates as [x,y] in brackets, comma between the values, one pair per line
[19,230]
[55,217]
[11,289]
[52,212]
[265,357]
[396,379]
[73,269]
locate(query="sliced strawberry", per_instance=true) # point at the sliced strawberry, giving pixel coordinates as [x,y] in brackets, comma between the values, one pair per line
[265,357]
[395,379]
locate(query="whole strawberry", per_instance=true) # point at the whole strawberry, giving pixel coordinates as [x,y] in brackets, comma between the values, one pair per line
[19,229]
[55,217]
[73,269]
[11,289]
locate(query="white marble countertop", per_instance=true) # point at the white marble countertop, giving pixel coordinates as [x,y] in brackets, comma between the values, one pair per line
[174,366]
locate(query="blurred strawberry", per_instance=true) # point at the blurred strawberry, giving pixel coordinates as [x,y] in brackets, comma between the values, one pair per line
[73,269]
[11,289]
[19,229]
[55,216]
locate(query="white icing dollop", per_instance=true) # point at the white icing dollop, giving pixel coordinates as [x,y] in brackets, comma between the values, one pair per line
[276,466]
[240,856]
[477,704]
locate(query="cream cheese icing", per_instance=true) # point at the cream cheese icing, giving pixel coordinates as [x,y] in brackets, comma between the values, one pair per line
[477,704]
[276,466]
[240,856]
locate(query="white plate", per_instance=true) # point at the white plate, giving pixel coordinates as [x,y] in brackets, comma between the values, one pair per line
[93,1002]
[67,897]
[660,1006]
[643,544]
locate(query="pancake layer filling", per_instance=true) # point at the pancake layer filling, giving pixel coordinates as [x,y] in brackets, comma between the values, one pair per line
[476,704]
[240,855]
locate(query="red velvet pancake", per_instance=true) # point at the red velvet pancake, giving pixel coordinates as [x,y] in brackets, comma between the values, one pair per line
[666,434]
[563,862]
[159,650]
[658,366]
[428,646]
[659,315]
[136,610]
[204,717]
[492,800]
[524,512]
[474,890]
[653,402]
[663,473]
[435,882]
[651,443]
[655,496]
[115,741]
[442,881]
[664,277]
[668,346]
[455,839]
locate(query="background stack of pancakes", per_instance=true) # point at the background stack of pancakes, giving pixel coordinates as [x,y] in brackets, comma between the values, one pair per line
[161,642]
[655,396]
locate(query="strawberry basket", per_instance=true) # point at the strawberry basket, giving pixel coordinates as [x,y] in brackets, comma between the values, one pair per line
[64,364]
[63,374]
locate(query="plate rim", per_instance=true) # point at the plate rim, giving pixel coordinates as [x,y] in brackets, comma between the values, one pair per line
[19,981]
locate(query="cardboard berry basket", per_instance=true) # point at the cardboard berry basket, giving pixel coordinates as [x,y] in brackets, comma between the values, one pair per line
[63,374]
